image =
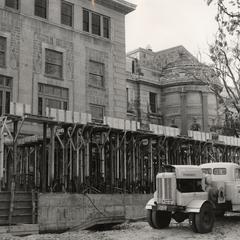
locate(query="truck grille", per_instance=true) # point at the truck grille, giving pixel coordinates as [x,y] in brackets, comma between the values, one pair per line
[164,190]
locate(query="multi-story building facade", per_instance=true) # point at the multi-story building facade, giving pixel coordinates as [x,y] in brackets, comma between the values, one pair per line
[64,54]
[165,88]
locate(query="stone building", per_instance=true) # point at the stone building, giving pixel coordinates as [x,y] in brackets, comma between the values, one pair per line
[64,54]
[165,88]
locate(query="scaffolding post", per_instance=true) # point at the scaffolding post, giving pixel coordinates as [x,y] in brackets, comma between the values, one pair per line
[44,159]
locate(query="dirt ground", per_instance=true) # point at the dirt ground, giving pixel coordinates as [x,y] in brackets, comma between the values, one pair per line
[225,228]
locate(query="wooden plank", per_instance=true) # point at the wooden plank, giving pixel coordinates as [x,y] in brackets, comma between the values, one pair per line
[151,161]
[44,159]
[51,157]
[11,203]
[33,207]
[102,157]
[118,156]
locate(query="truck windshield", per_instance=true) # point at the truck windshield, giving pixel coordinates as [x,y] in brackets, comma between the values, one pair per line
[189,185]
[207,170]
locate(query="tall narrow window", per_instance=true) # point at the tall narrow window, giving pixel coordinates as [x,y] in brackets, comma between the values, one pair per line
[96,24]
[2,51]
[54,63]
[85,20]
[153,102]
[133,66]
[67,14]
[97,112]
[106,27]
[7,102]
[41,8]
[5,94]
[40,106]
[96,74]
[130,100]
[12,4]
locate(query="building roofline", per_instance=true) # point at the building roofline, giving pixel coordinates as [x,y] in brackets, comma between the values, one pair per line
[118,5]
[171,48]
[140,50]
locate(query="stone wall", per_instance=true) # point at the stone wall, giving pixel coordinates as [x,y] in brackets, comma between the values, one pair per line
[59,211]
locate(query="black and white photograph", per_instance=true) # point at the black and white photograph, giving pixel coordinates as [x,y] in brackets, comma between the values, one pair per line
[119,119]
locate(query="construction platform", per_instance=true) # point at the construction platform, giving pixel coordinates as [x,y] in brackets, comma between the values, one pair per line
[71,154]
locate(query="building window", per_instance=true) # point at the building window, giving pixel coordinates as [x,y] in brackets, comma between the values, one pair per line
[67,14]
[96,24]
[99,25]
[85,20]
[153,102]
[54,63]
[97,112]
[106,27]
[41,8]
[130,100]
[52,97]
[133,66]
[96,74]
[12,4]
[5,94]
[3,44]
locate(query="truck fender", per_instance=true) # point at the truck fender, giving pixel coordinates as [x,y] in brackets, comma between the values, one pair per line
[150,204]
[195,205]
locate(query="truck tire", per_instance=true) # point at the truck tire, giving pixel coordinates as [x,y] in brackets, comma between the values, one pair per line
[161,219]
[149,218]
[192,222]
[204,220]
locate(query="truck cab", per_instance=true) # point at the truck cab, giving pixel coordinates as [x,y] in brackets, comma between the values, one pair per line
[225,178]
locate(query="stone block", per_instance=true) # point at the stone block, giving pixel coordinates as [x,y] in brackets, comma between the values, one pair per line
[61,115]
[133,125]
[127,125]
[160,130]
[12,108]
[76,117]
[27,108]
[83,118]
[19,109]
[121,124]
[53,113]
[69,116]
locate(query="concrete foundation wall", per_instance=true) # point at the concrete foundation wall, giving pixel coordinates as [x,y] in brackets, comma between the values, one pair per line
[59,211]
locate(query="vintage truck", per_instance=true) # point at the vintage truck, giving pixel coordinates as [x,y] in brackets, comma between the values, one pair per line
[197,193]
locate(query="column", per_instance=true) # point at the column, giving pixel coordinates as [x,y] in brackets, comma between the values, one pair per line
[205,111]
[183,113]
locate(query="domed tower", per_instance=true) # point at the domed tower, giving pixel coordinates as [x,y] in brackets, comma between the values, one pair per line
[186,94]
[181,84]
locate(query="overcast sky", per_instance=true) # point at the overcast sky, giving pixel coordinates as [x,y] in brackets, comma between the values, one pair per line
[167,23]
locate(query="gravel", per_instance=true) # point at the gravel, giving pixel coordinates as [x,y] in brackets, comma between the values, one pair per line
[224,228]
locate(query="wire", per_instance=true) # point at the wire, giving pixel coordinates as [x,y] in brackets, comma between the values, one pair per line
[85,194]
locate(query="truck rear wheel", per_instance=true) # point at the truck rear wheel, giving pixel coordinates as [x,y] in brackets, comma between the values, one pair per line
[161,219]
[149,218]
[204,220]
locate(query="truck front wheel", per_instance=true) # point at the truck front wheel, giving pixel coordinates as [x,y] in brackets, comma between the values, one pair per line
[161,219]
[149,218]
[204,220]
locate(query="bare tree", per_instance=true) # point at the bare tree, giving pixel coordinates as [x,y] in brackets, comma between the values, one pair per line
[225,52]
